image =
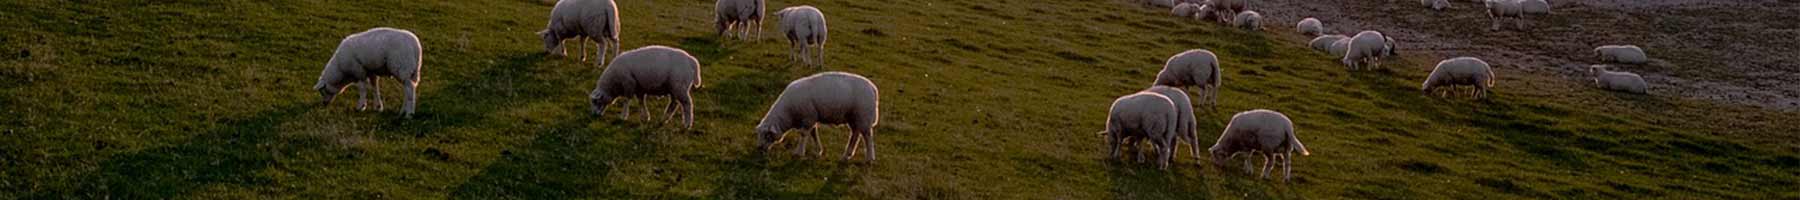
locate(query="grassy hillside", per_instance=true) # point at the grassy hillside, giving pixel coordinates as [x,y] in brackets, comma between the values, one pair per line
[981,100]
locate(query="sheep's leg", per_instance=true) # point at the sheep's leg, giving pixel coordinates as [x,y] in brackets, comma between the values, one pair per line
[854,142]
[818,143]
[625,107]
[868,139]
[1287,166]
[1267,164]
[800,149]
[821,51]
[375,84]
[362,91]
[1112,142]
[412,95]
[1247,167]
[687,109]
[644,101]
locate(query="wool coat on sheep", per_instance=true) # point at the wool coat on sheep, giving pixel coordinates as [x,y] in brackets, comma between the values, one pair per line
[744,16]
[1144,115]
[832,98]
[1310,26]
[1367,46]
[1324,43]
[1619,81]
[1627,54]
[1339,48]
[1198,68]
[649,71]
[362,57]
[1535,7]
[1261,132]
[1248,20]
[1498,9]
[1184,111]
[1461,71]
[596,20]
[1186,10]
[804,27]
[1436,4]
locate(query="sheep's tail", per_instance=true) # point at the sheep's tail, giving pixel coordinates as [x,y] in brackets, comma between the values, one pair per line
[1296,140]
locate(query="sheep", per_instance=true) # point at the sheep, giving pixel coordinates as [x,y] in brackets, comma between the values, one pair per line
[1186,10]
[1249,20]
[1227,8]
[649,71]
[1368,46]
[804,27]
[1436,4]
[832,98]
[1263,133]
[1323,43]
[1461,71]
[1626,54]
[583,20]
[1310,27]
[1208,13]
[363,57]
[1197,67]
[1498,9]
[1143,115]
[1534,7]
[1339,48]
[1618,81]
[1184,111]
[742,15]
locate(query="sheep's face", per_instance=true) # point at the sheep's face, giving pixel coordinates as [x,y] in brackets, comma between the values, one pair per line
[551,43]
[766,137]
[328,91]
[598,101]
[1219,157]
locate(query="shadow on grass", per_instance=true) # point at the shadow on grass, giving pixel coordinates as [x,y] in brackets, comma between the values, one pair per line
[230,155]
[567,160]
[468,101]
[766,175]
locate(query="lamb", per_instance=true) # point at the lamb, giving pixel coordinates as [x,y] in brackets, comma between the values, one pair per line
[1260,132]
[1197,67]
[1184,111]
[804,27]
[1436,4]
[1249,20]
[831,98]
[362,57]
[1461,71]
[1186,10]
[741,15]
[1324,43]
[1368,46]
[1498,9]
[1310,27]
[1535,7]
[1619,81]
[583,20]
[649,71]
[1144,115]
[1626,54]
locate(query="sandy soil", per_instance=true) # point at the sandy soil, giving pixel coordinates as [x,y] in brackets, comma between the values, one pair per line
[1733,52]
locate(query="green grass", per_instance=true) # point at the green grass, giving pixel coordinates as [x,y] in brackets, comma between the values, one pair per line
[982,100]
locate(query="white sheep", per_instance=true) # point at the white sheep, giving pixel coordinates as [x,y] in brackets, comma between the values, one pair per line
[1368,46]
[583,20]
[1618,81]
[1249,20]
[1323,43]
[804,27]
[744,16]
[1310,27]
[831,98]
[1535,7]
[362,57]
[1627,54]
[645,72]
[1197,68]
[1263,133]
[1461,71]
[1140,116]
[1339,48]
[1186,10]
[1184,111]
[1436,4]
[1498,9]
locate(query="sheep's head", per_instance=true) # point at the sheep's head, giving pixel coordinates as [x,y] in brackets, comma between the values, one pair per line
[767,136]
[1219,157]
[552,43]
[598,101]
[329,89]
[1393,49]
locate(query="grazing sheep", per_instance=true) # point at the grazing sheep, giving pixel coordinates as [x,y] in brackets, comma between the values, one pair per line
[583,20]
[1436,4]
[362,57]
[1535,7]
[1144,115]
[830,98]
[1619,81]
[1186,10]
[1199,68]
[1249,20]
[1310,27]
[1498,9]
[1627,54]
[1184,111]
[1324,43]
[1208,13]
[1368,46]
[649,71]
[1461,71]
[1228,8]
[1339,48]
[741,15]
[1260,132]
[804,27]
